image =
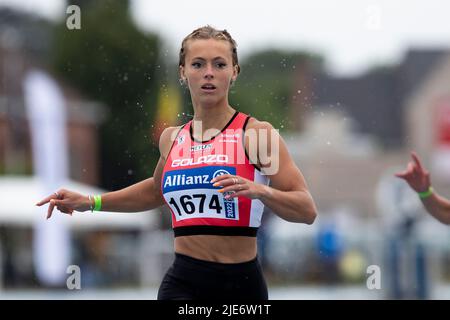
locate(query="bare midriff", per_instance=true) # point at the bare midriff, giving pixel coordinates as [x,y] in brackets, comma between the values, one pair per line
[223,249]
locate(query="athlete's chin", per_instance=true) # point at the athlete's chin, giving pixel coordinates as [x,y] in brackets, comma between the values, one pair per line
[209,101]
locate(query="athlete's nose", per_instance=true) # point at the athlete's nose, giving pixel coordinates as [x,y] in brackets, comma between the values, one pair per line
[209,72]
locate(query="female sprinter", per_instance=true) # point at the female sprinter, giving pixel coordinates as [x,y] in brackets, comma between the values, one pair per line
[213,173]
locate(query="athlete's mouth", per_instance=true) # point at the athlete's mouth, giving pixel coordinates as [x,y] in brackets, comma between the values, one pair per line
[208,87]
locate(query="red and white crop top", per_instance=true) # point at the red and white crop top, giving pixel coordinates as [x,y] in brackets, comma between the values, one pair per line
[196,205]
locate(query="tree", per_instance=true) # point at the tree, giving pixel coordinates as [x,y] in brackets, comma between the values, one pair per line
[111,61]
[265,89]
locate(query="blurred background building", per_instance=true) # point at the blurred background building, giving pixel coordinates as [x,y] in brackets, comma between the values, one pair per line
[24,41]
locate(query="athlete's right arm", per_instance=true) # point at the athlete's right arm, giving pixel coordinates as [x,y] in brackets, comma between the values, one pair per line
[142,196]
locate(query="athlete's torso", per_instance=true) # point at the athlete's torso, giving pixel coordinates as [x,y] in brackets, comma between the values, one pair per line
[197,207]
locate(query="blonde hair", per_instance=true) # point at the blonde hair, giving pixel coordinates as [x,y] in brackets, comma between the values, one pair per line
[208,32]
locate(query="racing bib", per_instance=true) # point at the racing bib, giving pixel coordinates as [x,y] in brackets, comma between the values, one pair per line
[190,194]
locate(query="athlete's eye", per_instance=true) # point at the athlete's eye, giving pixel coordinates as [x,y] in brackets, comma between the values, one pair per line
[221,65]
[196,65]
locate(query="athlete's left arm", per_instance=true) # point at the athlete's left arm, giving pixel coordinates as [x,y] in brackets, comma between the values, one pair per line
[288,195]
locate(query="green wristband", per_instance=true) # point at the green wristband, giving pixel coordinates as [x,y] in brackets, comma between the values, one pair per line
[426,194]
[98,202]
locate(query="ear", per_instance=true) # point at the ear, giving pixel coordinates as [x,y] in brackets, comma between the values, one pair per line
[235,73]
[181,72]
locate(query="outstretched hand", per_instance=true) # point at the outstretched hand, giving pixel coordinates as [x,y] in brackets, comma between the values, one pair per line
[65,201]
[415,175]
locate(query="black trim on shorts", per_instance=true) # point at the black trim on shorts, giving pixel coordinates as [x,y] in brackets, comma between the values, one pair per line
[215,230]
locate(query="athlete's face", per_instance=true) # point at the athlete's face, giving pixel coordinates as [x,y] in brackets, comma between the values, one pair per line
[208,70]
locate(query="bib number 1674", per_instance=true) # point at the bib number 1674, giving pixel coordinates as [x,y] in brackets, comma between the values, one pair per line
[188,206]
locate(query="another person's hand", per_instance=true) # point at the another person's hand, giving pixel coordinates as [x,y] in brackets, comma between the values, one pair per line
[238,185]
[415,175]
[65,201]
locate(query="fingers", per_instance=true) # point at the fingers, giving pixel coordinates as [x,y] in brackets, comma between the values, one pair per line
[417,161]
[50,209]
[242,193]
[47,199]
[221,177]
[402,175]
[227,180]
[232,187]
[407,173]
[413,168]
[60,205]
[225,183]
[57,200]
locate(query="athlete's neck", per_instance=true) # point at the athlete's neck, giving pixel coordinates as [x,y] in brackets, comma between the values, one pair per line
[210,121]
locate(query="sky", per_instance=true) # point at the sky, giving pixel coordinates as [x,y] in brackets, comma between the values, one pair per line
[352,35]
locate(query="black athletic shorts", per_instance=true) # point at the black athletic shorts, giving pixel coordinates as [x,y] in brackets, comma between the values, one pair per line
[193,279]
